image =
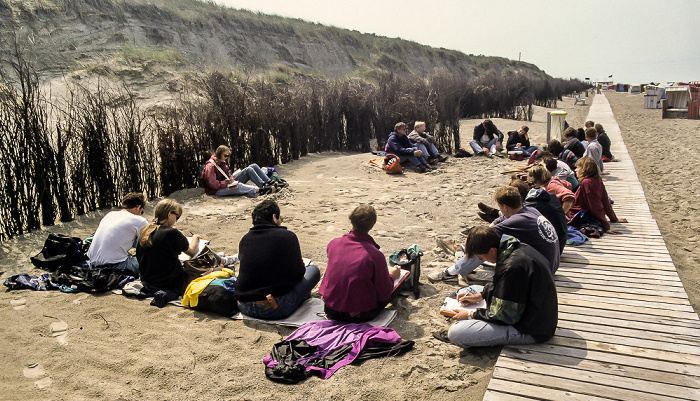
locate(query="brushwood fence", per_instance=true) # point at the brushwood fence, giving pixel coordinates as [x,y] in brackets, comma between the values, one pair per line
[62,158]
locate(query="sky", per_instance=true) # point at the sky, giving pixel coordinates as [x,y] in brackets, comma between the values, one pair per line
[635,41]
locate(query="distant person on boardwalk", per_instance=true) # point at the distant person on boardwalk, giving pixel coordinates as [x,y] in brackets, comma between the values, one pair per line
[399,145]
[487,139]
[426,143]
[521,301]
[594,149]
[219,181]
[604,141]
[357,283]
[158,249]
[272,280]
[591,196]
[118,233]
[519,141]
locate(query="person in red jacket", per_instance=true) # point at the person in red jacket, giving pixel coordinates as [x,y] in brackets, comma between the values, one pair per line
[357,283]
[218,179]
[591,195]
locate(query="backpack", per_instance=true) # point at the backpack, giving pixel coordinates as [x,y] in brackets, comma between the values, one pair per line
[392,164]
[461,152]
[59,250]
[409,259]
[80,277]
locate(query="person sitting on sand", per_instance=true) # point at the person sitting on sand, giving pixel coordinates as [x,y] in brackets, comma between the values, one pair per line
[572,142]
[522,222]
[592,197]
[118,233]
[594,150]
[519,141]
[398,144]
[357,283]
[521,301]
[540,177]
[425,143]
[159,247]
[218,180]
[272,279]
[605,143]
[487,139]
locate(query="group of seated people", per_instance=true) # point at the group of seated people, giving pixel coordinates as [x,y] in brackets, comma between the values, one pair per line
[524,241]
[418,147]
[272,280]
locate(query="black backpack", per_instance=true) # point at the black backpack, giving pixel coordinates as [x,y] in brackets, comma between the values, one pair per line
[409,259]
[59,250]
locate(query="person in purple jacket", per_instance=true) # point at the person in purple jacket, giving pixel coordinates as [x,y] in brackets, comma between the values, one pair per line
[399,145]
[357,283]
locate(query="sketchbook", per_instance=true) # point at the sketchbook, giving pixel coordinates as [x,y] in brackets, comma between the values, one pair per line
[402,277]
[202,243]
[450,304]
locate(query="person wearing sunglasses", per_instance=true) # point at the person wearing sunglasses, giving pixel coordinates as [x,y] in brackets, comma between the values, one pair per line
[159,246]
[218,180]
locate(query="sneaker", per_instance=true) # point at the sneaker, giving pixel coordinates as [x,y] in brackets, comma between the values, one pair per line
[487,154]
[443,275]
[432,160]
[442,158]
[421,168]
[486,208]
[229,260]
[441,335]
[489,218]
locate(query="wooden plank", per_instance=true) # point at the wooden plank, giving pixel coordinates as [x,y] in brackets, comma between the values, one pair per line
[596,278]
[580,387]
[613,256]
[627,318]
[638,352]
[618,287]
[609,357]
[498,396]
[602,367]
[648,270]
[542,393]
[672,342]
[608,306]
[580,260]
[660,390]
[652,300]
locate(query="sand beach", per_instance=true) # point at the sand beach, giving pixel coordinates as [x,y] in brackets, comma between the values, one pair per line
[107,346]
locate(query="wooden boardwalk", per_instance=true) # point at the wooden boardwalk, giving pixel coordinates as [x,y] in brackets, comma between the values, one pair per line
[626,329]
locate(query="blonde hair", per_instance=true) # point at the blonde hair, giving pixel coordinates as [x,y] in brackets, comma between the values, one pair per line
[418,124]
[161,212]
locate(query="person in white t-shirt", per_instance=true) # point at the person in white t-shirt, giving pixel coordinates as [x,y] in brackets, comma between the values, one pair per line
[117,233]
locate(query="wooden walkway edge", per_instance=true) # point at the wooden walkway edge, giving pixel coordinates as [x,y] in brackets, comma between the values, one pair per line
[626,328]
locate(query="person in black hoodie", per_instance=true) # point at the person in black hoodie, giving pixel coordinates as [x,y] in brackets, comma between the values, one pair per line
[604,141]
[272,279]
[521,302]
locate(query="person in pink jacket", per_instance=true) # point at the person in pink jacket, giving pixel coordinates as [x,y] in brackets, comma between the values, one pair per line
[357,283]
[218,179]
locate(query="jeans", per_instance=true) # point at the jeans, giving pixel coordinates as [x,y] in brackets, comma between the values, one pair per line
[526,151]
[252,173]
[467,265]
[287,303]
[250,191]
[478,146]
[415,160]
[429,150]
[131,264]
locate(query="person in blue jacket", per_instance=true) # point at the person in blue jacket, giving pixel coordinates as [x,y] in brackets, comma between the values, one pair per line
[399,145]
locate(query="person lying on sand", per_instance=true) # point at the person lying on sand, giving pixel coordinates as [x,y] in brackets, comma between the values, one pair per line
[117,233]
[272,279]
[218,180]
[159,246]
[487,140]
[521,302]
[425,143]
[522,222]
[357,283]
[399,145]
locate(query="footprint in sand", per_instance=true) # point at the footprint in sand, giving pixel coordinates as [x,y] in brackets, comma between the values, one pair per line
[36,371]
[18,304]
[82,297]
[59,330]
